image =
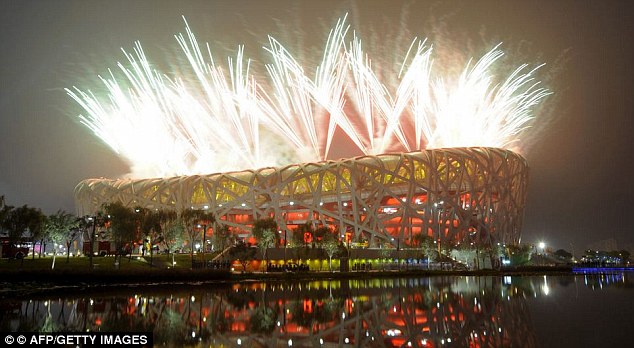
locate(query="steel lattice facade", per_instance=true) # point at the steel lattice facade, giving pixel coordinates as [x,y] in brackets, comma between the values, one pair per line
[455,194]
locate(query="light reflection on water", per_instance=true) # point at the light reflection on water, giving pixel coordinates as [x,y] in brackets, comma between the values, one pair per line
[380,312]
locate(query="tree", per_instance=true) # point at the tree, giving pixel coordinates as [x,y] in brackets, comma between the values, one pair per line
[302,233]
[261,225]
[244,254]
[191,219]
[4,212]
[625,256]
[18,221]
[464,253]
[171,232]
[621,255]
[62,228]
[89,225]
[519,254]
[331,246]
[427,246]
[35,220]
[123,225]
[320,233]
[150,226]
[6,215]
[563,254]
[222,237]
[264,231]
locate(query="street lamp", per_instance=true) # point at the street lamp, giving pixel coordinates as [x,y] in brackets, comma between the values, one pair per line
[204,227]
[93,220]
[280,233]
[438,205]
[398,247]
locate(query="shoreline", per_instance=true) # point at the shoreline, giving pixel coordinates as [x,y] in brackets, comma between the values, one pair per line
[18,284]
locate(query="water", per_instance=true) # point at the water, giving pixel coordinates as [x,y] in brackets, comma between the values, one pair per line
[585,310]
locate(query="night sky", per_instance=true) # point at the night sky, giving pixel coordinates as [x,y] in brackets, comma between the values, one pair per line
[581,177]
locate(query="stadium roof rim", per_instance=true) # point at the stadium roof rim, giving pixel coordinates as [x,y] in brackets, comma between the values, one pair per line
[363,158]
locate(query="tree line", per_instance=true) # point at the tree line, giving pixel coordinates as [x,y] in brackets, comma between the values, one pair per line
[125,227]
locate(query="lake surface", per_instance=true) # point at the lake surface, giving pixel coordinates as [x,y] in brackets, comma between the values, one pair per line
[584,310]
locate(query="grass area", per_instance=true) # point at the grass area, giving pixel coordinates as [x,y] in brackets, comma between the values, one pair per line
[135,263]
[136,269]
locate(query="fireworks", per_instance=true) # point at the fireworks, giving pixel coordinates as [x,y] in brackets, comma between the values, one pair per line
[223,119]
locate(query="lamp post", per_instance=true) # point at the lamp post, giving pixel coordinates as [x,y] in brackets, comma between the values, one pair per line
[398,248]
[92,238]
[346,244]
[438,205]
[280,233]
[204,227]
[542,247]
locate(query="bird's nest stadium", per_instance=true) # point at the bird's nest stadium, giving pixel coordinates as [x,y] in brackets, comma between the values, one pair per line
[455,195]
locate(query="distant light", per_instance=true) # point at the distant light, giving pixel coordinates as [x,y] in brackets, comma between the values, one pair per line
[292,203]
[390,210]
[542,245]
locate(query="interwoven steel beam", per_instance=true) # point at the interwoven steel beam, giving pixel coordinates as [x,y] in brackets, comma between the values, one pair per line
[455,194]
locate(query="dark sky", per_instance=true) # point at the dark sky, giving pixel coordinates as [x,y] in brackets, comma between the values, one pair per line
[581,164]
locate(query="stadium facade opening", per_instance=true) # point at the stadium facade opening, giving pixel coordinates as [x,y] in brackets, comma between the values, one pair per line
[474,195]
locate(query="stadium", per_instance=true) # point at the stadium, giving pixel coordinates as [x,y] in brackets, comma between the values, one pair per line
[453,195]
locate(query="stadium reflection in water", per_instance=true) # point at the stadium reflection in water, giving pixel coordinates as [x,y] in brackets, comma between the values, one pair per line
[383,312]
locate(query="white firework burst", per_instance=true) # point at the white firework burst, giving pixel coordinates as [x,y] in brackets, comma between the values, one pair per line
[222,119]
